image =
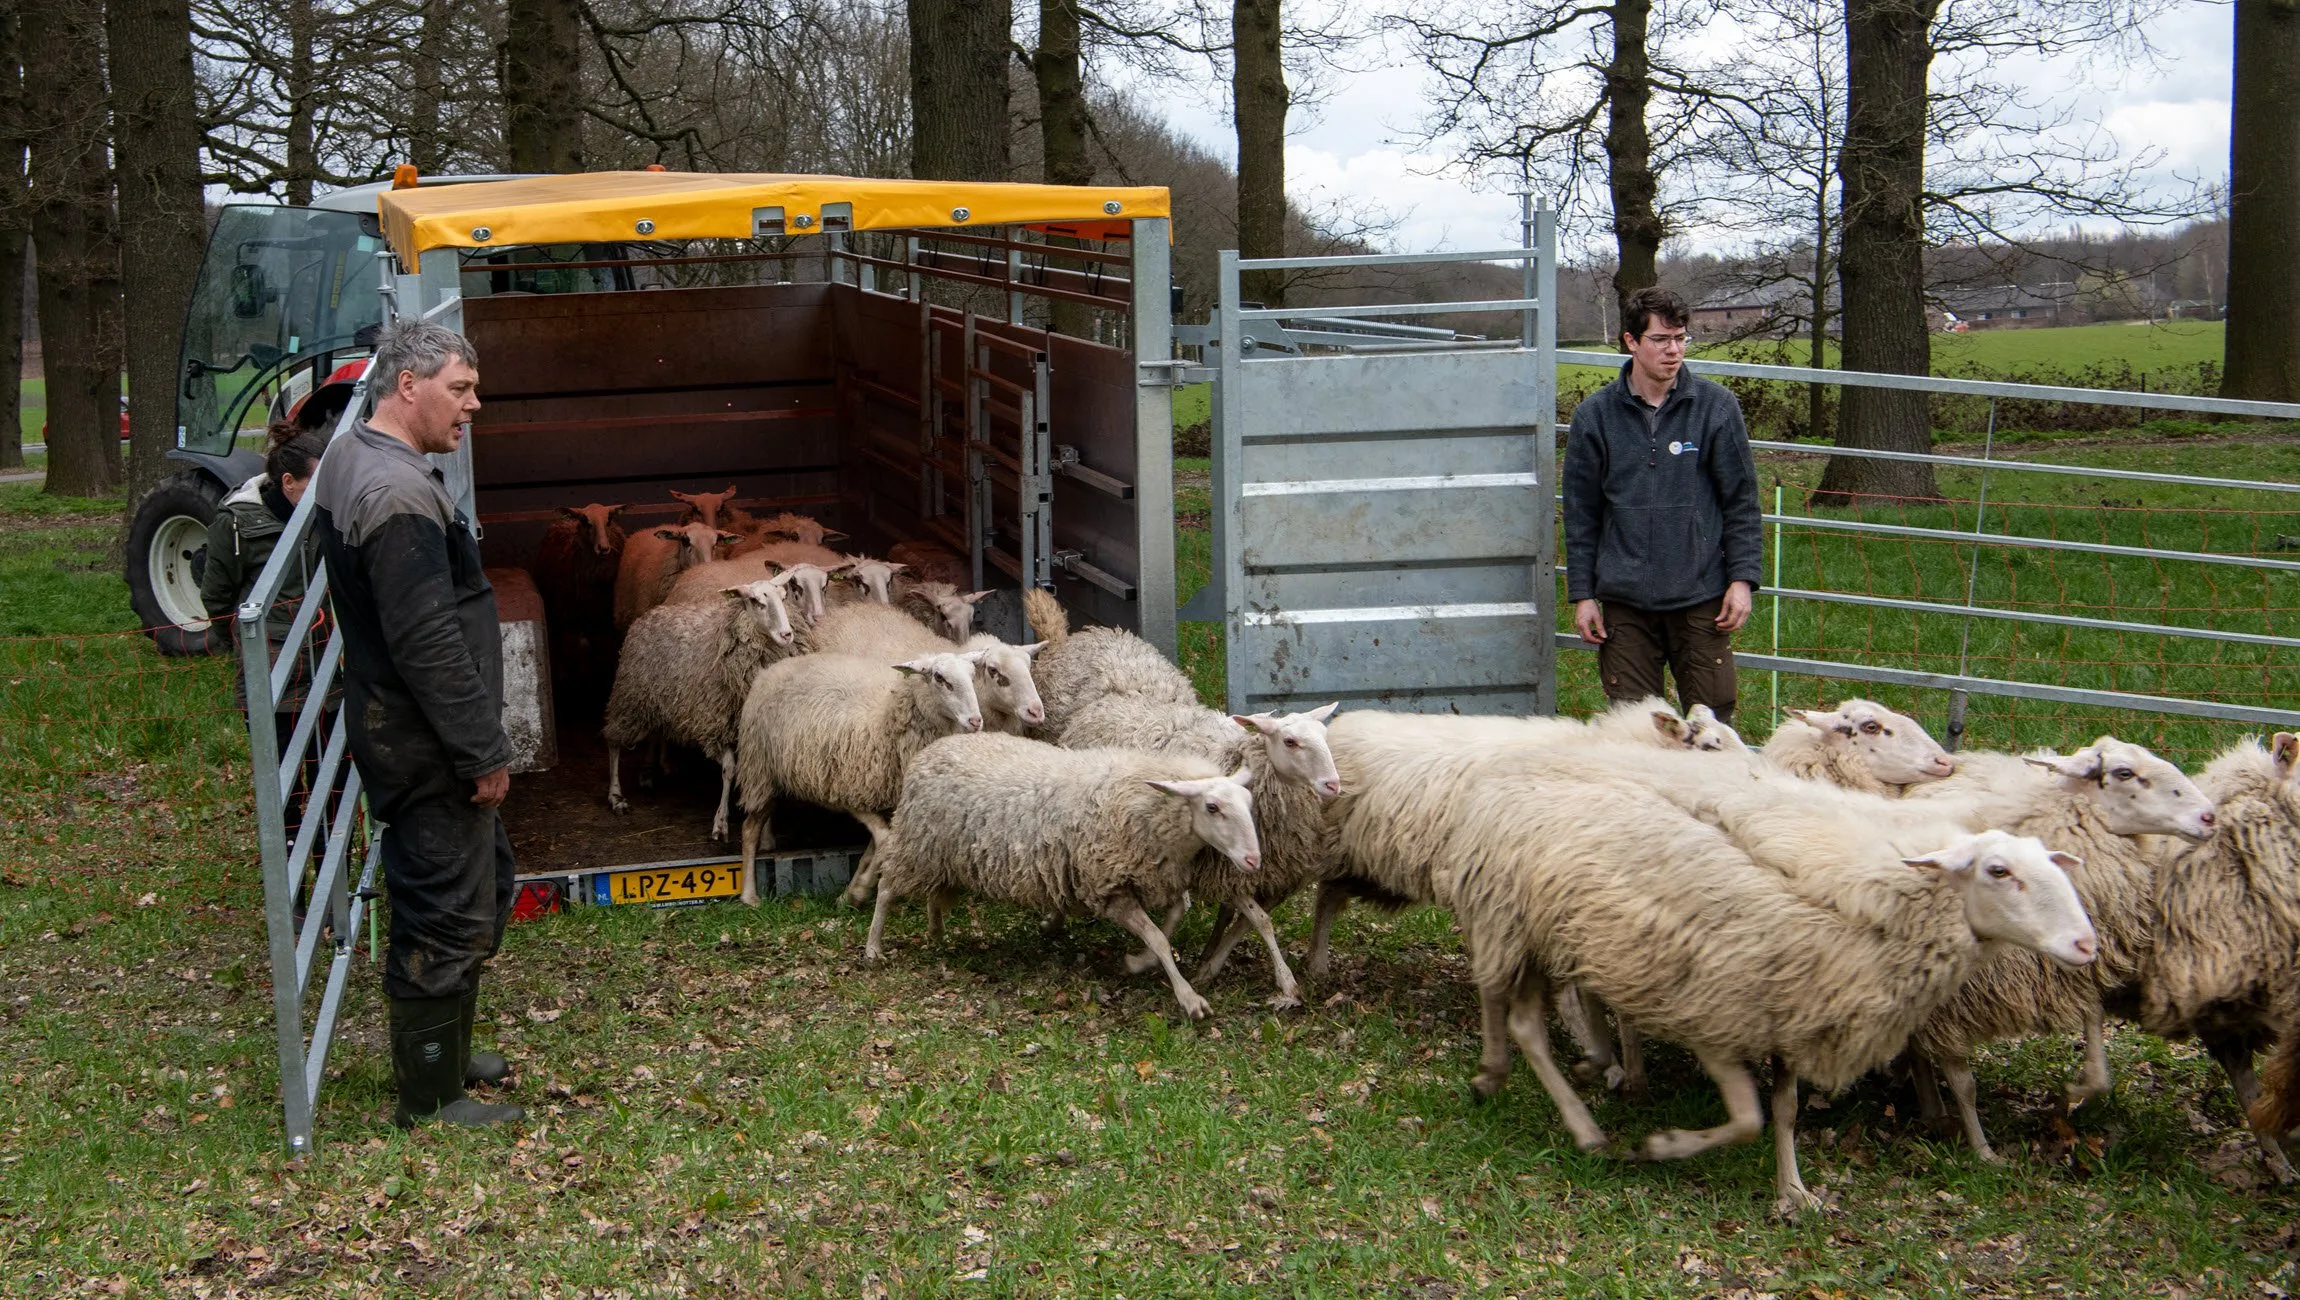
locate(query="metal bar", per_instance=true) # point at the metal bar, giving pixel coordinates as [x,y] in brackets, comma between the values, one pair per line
[2036,616]
[1076,566]
[1543,240]
[1972,387]
[1081,254]
[1394,309]
[306,614]
[927,266]
[1229,466]
[2024,466]
[331,865]
[1384,259]
[1530,273]
[1980,522]
[1039,438]
[314,705]
[2041,543]
[1069,467]
[1014,282]
[980,509]
[652,421]
[2279,718]
[493,268]
[271,835]
[1151,325]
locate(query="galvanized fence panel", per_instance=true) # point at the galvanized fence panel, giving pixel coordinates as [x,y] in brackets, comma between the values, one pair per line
[1383,519]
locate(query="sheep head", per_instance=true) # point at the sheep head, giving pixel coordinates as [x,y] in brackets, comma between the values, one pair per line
[2134,791]
[798,528]
[810,579]
[598,525]
[1221,814]
[2017,891]
[706,505]
[764,602]
[950,680]
[873,576]
[1002,678]
[1707,732]
[1297,746]
[1895,748]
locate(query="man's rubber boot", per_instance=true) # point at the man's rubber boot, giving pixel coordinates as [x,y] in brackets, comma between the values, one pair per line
[427,1064]
[478,1067]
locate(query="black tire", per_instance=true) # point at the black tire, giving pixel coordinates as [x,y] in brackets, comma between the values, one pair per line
[164,588]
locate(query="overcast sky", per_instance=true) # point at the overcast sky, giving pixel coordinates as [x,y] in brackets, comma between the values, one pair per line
[1356,145]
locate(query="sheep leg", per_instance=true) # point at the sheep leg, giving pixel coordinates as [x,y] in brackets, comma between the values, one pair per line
[1632,1084]
[1959,1073]
[755,828]
[2236,1062]
[1229,927]
[1585,1024]
[651,753]
[1529,1025]
[866,868]
[2093,1082]
[1789,1194]
[1140,962]
[1127,912]
[1927,1083]
[874,949]
[1493,1029]
[937,907]
[1744,1120]
[726,792]
[1332,900]
[1289,994]
[615,800]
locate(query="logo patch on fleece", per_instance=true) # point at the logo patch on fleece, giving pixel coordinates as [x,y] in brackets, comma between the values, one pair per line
[1680,448]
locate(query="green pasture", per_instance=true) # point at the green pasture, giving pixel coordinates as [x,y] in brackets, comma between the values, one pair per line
[2169,345]
[727,1101]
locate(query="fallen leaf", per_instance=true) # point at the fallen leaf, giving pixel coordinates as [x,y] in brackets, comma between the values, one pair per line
[544,1017]
[1145,1069]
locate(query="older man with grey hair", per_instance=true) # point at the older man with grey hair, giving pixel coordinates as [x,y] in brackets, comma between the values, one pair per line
[423,694]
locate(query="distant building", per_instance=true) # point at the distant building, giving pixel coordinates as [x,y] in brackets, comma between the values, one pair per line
[2009,306]
[1769,311]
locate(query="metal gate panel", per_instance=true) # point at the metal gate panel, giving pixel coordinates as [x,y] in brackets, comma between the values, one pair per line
[1385,530]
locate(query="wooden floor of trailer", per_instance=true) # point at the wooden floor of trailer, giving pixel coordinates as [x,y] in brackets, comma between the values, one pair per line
[560,823]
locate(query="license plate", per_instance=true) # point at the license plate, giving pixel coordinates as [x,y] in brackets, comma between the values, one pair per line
[671,884]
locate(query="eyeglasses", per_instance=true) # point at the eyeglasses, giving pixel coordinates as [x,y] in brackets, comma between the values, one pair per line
[1668,341]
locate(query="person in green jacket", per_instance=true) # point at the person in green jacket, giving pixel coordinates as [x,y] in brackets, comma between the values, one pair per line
[246,529]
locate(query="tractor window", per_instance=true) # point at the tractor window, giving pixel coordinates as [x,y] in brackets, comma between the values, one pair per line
[277,285]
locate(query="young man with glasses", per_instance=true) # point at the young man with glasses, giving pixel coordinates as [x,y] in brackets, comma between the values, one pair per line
[1663,532]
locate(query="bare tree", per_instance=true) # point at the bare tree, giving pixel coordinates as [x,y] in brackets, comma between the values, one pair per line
[156,144]
[542,83]
[2263,358]
[15,219]
[959,50]
[1259,102]
[79,275]
[1572,96]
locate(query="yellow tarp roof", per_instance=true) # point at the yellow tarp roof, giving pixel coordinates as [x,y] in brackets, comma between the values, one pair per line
[598,207]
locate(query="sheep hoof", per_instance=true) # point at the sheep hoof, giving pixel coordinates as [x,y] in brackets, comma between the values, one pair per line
[1614,1074]
[2280,1168]
[1194,1006]
[1286,1000]
[1053,923]
[1141,962]
[1315,968]
[719,831]
[618,805]
[1671,1144]
[1988,1156]
[1486,1084]
[1585,1071]
[2080,1093]
[855,894]
[1635,1092]
[1796,1201]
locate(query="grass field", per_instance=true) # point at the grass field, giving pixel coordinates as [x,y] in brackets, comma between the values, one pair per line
[727,1101]
[2144,345]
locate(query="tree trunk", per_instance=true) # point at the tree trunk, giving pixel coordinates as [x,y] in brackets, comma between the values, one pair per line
[1888,55]
[71,227]
[1058,66]
[958,89]
[156,148]
[543,86]
[1824,237]
[1258,88]
[1629,152]
[427,89]
[2263,361]
[15,215]
[303,102]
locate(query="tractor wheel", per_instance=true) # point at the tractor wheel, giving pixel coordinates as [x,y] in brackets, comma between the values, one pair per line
[167,551]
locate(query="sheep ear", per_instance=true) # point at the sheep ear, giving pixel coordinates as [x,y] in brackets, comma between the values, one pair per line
[2083,765]
[972,597]
[1185,789]
[1701,713]
[682,496]
[1669,724]
[1243,776]
[1322,712]
[729,539]
[913,667]
[572,512]
[1946,861]
[2286,749]
[1032,649]
[833,535]
[613,511]
[669,534]
[2065,861]
[1262,722]
[895,568]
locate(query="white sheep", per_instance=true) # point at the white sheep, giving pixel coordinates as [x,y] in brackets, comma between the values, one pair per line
[1860,745]
[1002,676]
[1078,668]
[837,731]
[804,583]
[1293,768]
[941,607]
[1668,921]
[682,676]
[2225,967]
[864,578]
[1089,832]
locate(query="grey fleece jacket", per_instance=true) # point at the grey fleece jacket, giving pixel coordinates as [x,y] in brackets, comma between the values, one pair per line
[1661,504]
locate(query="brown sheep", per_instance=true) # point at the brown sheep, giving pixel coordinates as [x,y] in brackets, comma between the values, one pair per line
[653,557]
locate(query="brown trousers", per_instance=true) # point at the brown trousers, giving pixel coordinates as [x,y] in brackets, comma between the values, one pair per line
[1700,657]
